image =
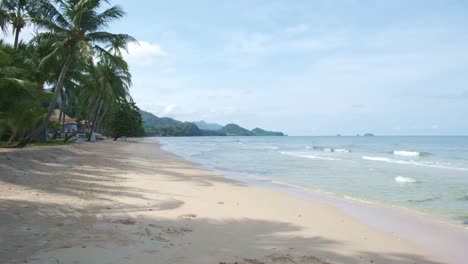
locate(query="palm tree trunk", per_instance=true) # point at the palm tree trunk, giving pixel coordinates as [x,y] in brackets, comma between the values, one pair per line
[99,123]
[58,89]
[12,137]
[17,32]
[62,130]
[89,114]
[59,120]
[96,111]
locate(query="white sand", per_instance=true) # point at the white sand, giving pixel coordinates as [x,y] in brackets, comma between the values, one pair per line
[131,202]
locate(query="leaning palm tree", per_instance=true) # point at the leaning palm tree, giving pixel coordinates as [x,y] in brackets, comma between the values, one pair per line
[75,27]
[20,106]
[113,84]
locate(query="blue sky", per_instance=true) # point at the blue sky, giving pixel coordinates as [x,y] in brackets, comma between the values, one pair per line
[303,67]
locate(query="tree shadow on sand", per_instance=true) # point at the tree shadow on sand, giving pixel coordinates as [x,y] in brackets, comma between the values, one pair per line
[115,237]
[46,232]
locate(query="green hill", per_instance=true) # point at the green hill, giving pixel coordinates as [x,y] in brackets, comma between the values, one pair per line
[185,129]
[152,121]
[208,126]
[235,130]
[260,132]
[169,127]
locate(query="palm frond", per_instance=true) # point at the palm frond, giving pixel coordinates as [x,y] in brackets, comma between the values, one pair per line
[49,17]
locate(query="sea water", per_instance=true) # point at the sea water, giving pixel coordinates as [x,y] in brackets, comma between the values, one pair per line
[425,173]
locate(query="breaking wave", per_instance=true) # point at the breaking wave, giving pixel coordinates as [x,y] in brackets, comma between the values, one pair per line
[412,162]
[405,153]
[305,155]
[402,179]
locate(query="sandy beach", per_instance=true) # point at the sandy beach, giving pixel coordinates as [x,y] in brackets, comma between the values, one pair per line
[131,202]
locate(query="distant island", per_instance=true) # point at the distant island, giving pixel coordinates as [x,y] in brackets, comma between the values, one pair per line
[169,127]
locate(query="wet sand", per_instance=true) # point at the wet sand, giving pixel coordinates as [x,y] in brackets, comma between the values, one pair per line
[131,202]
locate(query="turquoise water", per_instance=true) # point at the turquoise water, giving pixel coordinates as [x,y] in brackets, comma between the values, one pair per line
[424,173]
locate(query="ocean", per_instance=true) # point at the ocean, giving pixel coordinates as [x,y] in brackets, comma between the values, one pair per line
[427,173]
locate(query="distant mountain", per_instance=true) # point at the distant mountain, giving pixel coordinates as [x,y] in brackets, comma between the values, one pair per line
[208,126]
[152,121]
[260,132]
[169,127]
[235,130]
[369,135]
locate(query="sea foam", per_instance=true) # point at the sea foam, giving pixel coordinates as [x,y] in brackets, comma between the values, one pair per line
[412,162]
[405,153]
[342,150]
[402,179]
[305,155]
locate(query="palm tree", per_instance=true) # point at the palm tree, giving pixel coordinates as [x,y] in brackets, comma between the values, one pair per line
[16,13]
[20,107]
[75,28]
[3,20]
[113,84]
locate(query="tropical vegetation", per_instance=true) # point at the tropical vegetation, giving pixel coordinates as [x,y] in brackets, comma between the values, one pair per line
[71,63]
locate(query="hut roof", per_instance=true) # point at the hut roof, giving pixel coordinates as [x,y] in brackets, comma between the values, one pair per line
[56,115]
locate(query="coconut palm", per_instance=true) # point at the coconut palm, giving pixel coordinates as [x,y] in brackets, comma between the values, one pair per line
[3,20]
[16,14]
[20,104]
[114,81]
[74,27]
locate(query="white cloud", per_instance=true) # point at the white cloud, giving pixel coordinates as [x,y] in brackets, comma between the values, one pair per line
[143,53]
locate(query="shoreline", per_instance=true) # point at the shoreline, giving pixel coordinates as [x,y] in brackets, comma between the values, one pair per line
[454,216]
[150,205]
[317,193]
[372,213]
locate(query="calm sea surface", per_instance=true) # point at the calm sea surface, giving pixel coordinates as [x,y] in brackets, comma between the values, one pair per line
[425,173]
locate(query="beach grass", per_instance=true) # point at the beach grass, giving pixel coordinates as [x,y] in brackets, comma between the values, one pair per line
[46,143]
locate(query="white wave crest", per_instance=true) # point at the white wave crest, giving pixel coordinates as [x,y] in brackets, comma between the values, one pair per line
[402,179]
[376,158]
[412,162]
[405,153]
[305,155]
[342,150]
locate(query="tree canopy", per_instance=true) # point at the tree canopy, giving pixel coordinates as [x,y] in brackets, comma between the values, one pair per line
[72,63]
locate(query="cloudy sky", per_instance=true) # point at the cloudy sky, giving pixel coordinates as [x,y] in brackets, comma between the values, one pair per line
[303,67]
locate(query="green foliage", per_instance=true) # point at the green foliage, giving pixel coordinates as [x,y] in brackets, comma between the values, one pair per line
[71,52]
[185,129]
[260,132]
[21,104]
[125,120]
[235,130]
[168,127]
[51,143]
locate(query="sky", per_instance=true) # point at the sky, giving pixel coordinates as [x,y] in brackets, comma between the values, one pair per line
[303,67]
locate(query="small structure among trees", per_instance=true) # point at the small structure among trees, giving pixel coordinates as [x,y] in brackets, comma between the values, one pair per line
[61,122]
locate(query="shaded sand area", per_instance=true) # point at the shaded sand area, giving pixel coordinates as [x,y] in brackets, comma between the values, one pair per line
[131,202]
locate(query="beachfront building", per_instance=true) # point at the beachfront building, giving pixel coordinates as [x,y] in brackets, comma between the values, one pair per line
[70,123]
